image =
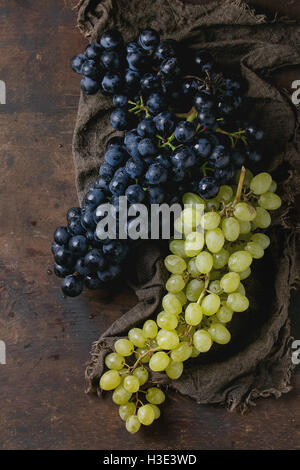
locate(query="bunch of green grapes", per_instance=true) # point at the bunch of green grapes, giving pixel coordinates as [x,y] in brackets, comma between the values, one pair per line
[220,239]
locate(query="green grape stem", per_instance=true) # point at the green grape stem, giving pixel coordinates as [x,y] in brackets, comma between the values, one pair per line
[137,399]
[142,357]
[189,116]
[204,168]
[162,142]
[240,186]
[204,289]
[138,107]
[227,209]
[192,115]
[233,136]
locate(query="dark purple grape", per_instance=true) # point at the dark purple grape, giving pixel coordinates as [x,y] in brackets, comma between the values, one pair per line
[72,286]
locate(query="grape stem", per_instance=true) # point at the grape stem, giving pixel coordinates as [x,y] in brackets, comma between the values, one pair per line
[189,116]
[233,136]
[192,115]
[138,107]
[137,400]
[142,357]
[204,289]
[163,142]
[240,186]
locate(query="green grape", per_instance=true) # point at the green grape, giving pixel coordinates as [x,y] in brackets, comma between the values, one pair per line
[167,321]
[269,201]
[244,274]
[177,248]
[235,246]
[212,204]
[241,289]
[262,219]
[219,333]
[114,361]
[120,395]
[133,424]
[247,179]
[190,217]
[220,259]
[156,411]
[210,304]
[181,327]
[215,276]
[202,340]
[123,372]
[237,302]
[245,227]
[262,239]
[210,220]
[150,329]
[131,383]
[244,237]
[193,200]
[181,297]
[231,228]
[225,194]
[181,228]
[215,287]
[192,268]
[146,414]
[244,212]
[239,261]
[171,304]
[195,352]
[261,183]
[224,314]
[186,337]
[175,264]
[159,361]
[110,380]
[167,339]
[137,337]
[142,375]
[153,344]
[273,187]
[140,352]
[214,240]
[174,370]
[194,243]
[175,283]
[194,289]
[204,262]
[127,410]
[182,352]
[230,282]
[155,396]
[255,250]
[124,347]
[193,316]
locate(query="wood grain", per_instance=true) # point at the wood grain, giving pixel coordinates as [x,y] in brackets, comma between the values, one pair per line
[42,403]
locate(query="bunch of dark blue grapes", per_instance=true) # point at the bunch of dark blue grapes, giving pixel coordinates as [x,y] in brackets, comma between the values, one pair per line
[154,85]
[80,258]
[183,131]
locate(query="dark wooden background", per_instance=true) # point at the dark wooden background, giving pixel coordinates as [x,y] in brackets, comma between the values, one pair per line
[42,403]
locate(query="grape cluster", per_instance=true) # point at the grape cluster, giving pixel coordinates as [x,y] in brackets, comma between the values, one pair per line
[204,290]
[184,132]
[177,103]
[80,258]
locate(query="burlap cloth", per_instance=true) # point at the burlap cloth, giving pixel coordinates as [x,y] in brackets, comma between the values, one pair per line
[257,362]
